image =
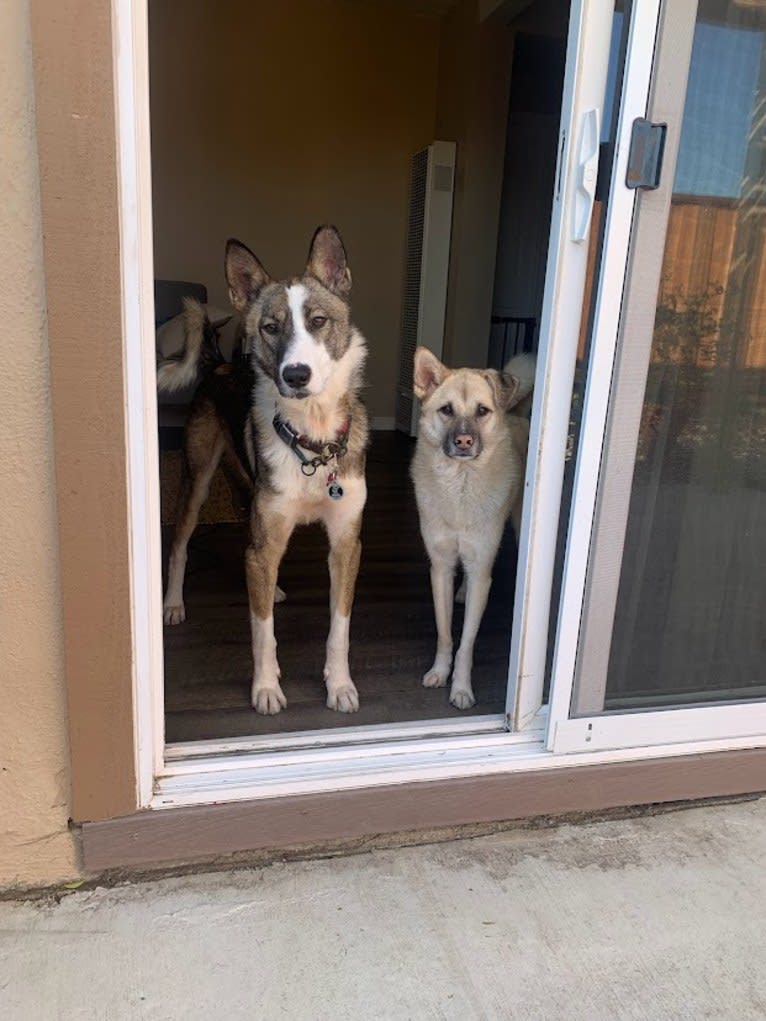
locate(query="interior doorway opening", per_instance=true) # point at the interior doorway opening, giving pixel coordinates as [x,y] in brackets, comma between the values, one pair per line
[266,121]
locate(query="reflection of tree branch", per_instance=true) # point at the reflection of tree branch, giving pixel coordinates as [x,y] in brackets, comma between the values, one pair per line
[688,329]
[699,395]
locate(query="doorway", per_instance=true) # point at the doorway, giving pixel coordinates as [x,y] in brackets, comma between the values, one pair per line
[227,160]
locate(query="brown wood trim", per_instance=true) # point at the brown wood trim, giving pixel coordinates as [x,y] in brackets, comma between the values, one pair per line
[73,46]
[187,834]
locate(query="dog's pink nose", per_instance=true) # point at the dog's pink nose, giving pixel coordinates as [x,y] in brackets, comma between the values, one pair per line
[464,441]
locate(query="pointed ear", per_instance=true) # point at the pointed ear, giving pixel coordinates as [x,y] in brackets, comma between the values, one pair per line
[429,373]
[244,274]
[506,388]
[327,261]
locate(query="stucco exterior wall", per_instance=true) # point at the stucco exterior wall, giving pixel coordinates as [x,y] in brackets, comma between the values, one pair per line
[36,846]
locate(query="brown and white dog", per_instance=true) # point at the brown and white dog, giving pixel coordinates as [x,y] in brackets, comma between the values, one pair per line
[301,446]
[468,469]
[307,436]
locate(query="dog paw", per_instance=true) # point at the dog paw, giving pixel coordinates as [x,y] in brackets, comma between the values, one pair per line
[436,676]
[174,614]
[268,700]
[344,699]
[279,595]
[462,698]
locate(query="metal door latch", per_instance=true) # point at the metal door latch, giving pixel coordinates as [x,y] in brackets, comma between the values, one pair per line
[647,145]
[587,175]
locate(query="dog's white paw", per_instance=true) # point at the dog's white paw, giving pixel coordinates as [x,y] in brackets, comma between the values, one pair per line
[268,699]
[436,677]
[279,595]
[174,614]
[462,698]
[344,698]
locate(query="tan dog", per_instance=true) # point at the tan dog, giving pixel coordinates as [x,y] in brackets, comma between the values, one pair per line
[468,471]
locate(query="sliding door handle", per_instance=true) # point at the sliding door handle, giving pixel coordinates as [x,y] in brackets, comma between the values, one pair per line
[587,174]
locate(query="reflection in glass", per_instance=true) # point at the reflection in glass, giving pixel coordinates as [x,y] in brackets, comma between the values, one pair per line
[690,623]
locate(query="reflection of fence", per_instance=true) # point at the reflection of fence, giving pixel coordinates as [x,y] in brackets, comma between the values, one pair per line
[713,284]
[510,335]
[715,252]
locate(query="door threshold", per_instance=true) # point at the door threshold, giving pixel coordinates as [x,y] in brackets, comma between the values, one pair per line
[322,769]
[336,737]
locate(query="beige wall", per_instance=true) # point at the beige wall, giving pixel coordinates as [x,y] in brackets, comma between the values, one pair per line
[270,118]
[35,845]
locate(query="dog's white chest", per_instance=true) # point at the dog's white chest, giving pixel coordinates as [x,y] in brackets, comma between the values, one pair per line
[462,502]
[316,493]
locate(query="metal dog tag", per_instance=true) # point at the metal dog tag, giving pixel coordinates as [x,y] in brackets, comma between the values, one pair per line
[334,491]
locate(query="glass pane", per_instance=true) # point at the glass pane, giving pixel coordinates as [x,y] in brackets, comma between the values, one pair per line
[690,615]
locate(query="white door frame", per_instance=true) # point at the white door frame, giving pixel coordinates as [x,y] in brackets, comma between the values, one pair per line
[620,208]
[588,45]
[205,772]
[131,63]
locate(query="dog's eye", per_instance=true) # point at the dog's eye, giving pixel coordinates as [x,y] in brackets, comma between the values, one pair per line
[317,322]
[271,328]
[482,410]
[446,409]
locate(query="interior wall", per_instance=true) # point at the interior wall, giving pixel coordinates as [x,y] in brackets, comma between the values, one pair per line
[268,119]
[472,109]
[36,845]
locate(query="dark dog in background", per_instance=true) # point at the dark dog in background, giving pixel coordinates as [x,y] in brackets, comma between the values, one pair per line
[214,435]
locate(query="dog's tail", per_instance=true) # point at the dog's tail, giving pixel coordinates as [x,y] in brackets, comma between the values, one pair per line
[523,367]
[200,355]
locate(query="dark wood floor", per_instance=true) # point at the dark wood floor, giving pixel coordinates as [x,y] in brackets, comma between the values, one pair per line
[207,659]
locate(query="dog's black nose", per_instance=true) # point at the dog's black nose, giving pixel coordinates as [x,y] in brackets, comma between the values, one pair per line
[296,376]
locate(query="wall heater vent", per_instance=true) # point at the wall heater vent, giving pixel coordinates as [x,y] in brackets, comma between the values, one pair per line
[432,183]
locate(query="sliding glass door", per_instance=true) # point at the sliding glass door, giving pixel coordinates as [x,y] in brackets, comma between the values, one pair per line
[588,226]
[672,639]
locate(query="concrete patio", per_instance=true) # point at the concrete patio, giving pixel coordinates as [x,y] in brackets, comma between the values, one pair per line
[653,917]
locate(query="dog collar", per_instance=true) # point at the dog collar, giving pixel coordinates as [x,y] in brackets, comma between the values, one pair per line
[325,452]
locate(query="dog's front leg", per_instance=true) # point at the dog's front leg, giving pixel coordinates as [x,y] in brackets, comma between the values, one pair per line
[478,582]
[345,553]
[442,587]
[270,533]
